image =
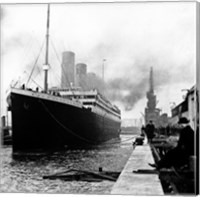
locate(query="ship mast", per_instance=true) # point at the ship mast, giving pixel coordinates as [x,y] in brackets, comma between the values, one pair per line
[46,65]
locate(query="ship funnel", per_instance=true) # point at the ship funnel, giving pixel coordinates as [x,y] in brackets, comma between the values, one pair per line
[68,69]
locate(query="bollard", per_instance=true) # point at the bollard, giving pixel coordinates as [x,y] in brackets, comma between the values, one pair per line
[100,169]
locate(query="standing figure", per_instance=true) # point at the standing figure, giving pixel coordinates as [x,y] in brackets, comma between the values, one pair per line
[143,131]
[150,131]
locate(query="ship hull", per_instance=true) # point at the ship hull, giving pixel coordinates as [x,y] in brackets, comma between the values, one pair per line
[43,124]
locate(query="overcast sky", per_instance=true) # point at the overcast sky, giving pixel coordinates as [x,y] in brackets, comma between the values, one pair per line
[132,37]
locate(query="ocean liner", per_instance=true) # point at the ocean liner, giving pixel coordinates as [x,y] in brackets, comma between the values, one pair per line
[60,117]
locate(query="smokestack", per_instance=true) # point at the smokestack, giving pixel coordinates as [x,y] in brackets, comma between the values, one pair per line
[81,72]
[68,69]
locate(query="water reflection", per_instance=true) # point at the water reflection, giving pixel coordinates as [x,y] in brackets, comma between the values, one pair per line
[23,173]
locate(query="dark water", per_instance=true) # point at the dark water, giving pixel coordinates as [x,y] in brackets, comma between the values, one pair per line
[24,174]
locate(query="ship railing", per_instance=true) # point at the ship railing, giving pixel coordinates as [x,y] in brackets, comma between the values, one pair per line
[104,101]
[109,105]
[93,103]
[83,100]
[107,108]
[85,96]
[69,89]
[47,96]
[102,98]
[84,93]
[98,110]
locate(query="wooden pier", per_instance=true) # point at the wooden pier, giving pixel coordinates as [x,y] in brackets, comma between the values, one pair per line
[137,177]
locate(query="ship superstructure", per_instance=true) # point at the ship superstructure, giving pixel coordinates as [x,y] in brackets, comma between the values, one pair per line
[91,99]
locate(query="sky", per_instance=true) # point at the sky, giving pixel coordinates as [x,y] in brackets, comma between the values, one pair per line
[131,37]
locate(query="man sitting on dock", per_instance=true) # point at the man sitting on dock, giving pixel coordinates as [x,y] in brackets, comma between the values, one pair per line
[179,156]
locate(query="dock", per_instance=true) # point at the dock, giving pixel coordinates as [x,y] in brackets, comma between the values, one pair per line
[137,177]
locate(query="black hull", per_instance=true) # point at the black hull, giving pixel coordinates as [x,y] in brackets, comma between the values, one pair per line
[42,124]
